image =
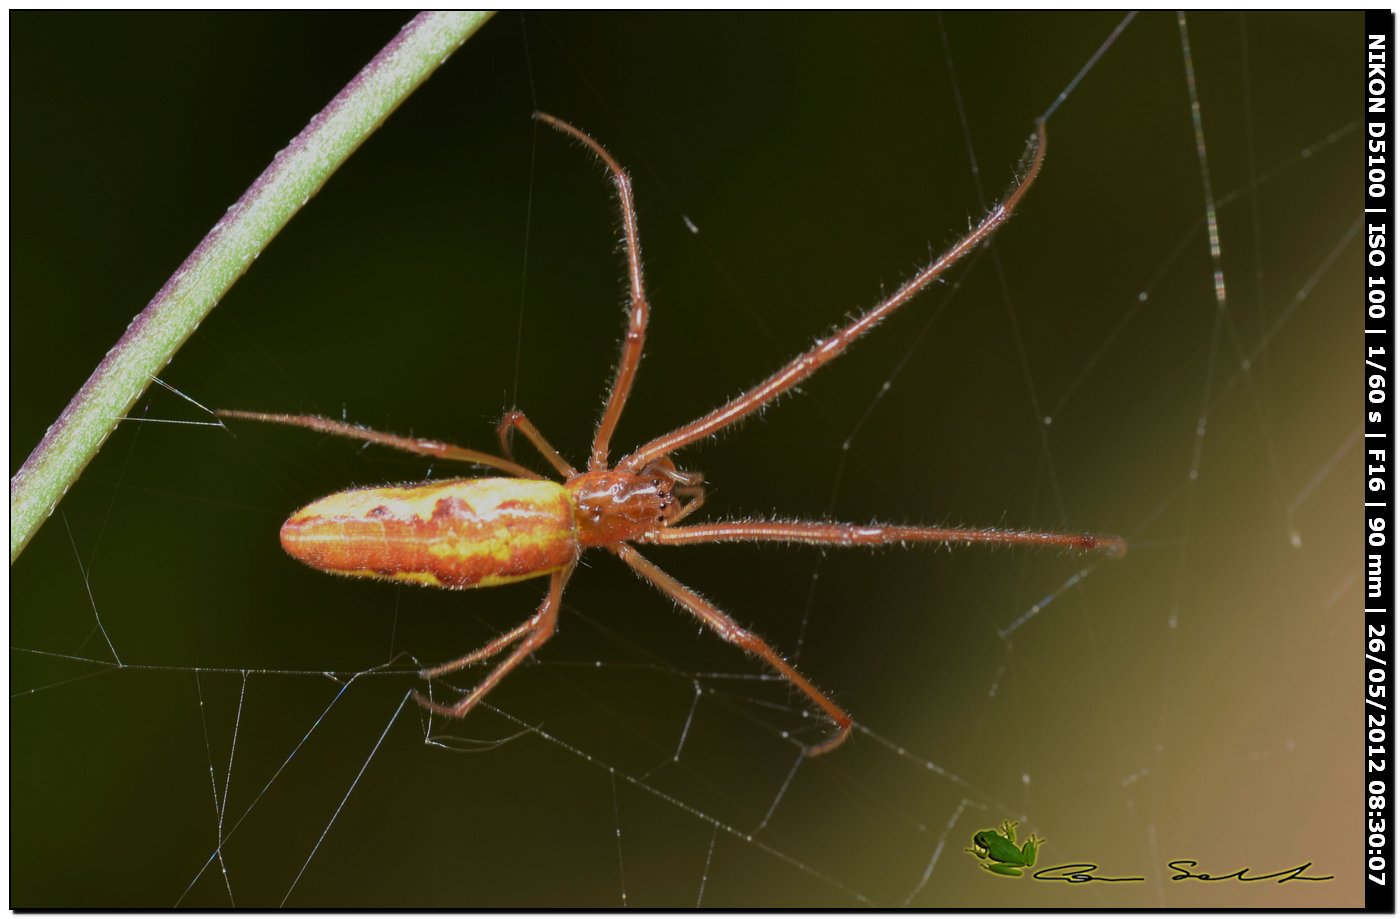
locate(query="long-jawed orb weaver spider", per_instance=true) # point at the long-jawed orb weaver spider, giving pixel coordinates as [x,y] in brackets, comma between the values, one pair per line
[482,532]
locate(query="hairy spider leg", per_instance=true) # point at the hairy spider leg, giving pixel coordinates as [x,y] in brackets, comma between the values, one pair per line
[535,631]
[729,630]
[516,420]
[419,445]
[831,347]
[638,309]
[871,534]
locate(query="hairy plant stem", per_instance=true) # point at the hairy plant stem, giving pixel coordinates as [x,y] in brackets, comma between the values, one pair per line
[295,174]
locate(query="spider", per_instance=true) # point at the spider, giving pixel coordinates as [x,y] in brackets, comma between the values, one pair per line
[482,532]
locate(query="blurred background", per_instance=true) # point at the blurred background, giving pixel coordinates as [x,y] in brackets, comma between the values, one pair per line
[1196,700]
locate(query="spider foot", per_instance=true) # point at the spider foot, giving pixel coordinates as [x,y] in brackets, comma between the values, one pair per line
[831,743]
[437,708]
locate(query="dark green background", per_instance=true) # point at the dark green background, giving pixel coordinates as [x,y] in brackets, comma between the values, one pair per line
[821,158]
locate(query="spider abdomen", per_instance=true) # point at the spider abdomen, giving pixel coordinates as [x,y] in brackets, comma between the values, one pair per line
[458,533]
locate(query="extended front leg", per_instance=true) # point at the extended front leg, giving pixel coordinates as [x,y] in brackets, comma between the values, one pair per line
[818,533]
[638,309]
[831,346]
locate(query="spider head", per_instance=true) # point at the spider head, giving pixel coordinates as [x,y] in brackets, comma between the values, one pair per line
[614,505]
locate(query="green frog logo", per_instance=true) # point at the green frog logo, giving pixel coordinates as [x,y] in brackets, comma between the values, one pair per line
[998,853]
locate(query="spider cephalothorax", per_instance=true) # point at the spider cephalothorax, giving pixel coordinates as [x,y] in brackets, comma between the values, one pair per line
[614,506]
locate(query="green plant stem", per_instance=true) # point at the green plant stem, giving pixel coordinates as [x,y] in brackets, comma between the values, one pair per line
[295,174]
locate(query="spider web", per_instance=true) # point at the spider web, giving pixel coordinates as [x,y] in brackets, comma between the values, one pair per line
[1155,346]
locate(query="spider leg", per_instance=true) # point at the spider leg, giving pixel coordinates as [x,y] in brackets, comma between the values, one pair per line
[516,420]
[418,445]
[638,309]
[831,347]
[873,534]
[488,650]
[536,631]
[735,634]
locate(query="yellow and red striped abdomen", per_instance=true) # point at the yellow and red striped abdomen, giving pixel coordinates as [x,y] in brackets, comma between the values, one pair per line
[458,533]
